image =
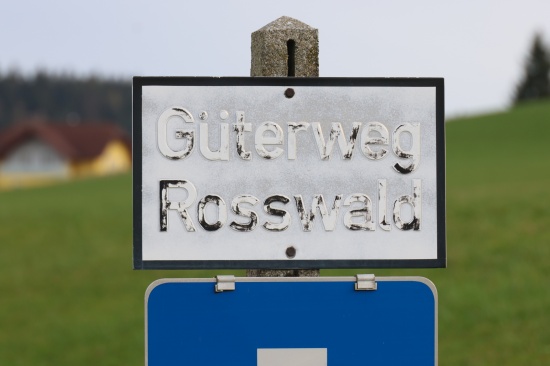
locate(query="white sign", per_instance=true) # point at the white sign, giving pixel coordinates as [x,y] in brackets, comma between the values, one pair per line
[288,173]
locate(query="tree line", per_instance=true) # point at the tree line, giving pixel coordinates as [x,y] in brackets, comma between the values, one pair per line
[64,98]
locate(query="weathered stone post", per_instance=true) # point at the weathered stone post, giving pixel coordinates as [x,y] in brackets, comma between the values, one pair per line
[285,47]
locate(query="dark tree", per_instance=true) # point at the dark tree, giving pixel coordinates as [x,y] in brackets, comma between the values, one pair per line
[535,83]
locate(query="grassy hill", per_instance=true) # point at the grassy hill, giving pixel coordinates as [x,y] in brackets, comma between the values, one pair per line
[68,295]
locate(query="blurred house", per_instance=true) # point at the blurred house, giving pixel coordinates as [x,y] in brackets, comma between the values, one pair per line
[38,153]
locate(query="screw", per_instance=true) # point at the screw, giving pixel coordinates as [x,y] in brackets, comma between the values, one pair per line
[290,252]
[289,93]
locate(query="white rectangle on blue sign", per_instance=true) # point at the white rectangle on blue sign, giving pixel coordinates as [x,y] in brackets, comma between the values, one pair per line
[287,321]
[292,357]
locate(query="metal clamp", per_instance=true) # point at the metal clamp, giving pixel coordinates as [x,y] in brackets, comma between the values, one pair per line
[225,283]
[365,282]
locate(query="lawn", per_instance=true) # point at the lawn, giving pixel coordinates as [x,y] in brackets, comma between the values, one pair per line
[70,297]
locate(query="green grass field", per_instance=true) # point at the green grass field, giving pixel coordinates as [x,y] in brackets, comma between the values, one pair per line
[68,295]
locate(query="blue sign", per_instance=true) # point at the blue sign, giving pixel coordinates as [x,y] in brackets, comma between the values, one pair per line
[291,321]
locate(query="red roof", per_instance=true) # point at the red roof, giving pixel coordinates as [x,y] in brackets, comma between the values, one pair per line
[81,141]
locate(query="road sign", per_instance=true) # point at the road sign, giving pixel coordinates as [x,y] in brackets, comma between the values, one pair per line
[288,173]
[291,321]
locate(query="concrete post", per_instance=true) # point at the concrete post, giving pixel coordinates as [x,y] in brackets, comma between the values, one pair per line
[285,47]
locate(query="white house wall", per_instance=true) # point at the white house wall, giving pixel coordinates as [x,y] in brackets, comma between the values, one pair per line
[35,157]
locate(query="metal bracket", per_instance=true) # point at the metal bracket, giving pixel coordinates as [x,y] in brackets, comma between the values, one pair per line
[365,282]
[225,283]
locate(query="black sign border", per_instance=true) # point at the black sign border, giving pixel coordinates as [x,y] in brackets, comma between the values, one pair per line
[139,263]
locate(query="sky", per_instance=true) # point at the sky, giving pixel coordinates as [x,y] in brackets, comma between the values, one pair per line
[478,46]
